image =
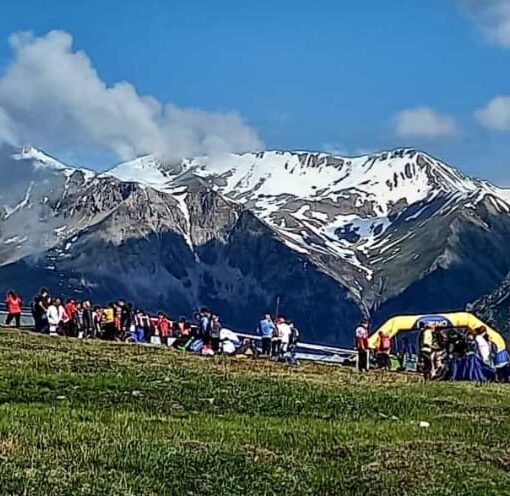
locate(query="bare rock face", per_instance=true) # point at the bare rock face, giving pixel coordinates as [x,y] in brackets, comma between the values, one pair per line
[210,216]
[335,237]
[494,307]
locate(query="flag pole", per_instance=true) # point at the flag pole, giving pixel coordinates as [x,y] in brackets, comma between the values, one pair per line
[277,306]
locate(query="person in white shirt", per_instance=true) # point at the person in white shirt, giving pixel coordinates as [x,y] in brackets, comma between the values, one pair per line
[55,314]
[484,348]
[285,331]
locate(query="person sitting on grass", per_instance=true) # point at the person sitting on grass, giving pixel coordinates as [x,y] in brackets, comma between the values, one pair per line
[13,303]
[182,333]
[248,348]
[181,328]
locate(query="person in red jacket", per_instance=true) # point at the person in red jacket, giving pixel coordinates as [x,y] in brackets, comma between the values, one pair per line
[13,303]
[163,327]
[69,324]
[383,351]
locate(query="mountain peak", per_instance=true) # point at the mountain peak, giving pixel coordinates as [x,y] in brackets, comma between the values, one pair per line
[43,161]
[39,157]
[386,178]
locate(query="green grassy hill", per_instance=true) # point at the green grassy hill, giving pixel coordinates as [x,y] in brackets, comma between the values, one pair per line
[90,418]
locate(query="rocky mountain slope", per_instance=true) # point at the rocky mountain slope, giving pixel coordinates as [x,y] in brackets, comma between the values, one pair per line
[494,307]
[336,237]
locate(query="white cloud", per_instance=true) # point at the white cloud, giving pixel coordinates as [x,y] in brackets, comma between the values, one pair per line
[423,122]
[496,114]
[343,151]
[492,17]
[6,131]
[52,96]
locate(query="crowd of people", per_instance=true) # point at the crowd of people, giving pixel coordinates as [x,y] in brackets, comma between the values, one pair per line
[120,321]
[458,354]
[444,353]
[278,336]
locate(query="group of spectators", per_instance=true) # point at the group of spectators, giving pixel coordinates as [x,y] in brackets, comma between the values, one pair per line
[458,354]
[119,321]
[278,336]
[381,358]
[78,319]
[445,353]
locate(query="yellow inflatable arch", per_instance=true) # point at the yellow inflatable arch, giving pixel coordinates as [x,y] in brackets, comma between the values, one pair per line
[403,323]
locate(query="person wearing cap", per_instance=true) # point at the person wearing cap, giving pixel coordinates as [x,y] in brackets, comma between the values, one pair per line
[362,345]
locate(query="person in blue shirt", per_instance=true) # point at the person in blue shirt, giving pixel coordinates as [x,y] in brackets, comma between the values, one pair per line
[204,325]
[266,328]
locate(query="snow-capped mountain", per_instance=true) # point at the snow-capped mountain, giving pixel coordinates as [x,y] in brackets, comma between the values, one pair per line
[350,209]
[337,237]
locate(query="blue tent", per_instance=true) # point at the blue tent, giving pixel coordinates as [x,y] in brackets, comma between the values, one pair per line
[471,367]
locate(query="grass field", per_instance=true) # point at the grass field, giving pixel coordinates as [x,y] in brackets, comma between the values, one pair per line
[93,418]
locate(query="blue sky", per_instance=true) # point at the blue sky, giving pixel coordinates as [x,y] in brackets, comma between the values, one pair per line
[329,75]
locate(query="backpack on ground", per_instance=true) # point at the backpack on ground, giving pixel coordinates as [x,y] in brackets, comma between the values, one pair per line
[196,346]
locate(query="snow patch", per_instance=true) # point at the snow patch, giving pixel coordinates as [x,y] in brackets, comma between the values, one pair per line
[23,203]
[14,239]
